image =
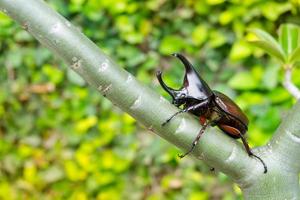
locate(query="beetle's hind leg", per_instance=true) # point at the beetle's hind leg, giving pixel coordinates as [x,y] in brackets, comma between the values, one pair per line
[252,154]
[196,140]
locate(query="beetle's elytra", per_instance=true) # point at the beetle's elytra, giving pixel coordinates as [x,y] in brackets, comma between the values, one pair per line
[212,107]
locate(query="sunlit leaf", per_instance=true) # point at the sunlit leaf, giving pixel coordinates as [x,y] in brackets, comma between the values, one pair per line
[73,172]
[199,34]
[214,2]
[266,42]
[272,9]
[53,73]
[269,120]
[6,191]
[85,124]
[79,195]
[243,81]
[226,17]
[248,99]
[240,50]
[278,95]
[270,78]
[289,37]
[198,195]
[171,44]
[295,56]
[30,173]
[216,38]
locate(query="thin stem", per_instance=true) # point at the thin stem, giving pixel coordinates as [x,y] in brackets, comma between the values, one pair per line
[288,83]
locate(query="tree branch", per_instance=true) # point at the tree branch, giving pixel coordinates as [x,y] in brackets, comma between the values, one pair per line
[150,109]
[285,143]
[282,155]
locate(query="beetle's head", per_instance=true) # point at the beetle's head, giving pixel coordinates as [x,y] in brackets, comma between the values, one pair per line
[193,88]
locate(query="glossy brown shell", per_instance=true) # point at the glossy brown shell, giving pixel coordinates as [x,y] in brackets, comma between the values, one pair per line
[234,121]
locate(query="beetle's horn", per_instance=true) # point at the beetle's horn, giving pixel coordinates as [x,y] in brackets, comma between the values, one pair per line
[190,72]
[162,83]
[193,81]
[188,66]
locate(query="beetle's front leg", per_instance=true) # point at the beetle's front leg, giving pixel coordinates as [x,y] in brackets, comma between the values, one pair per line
[169,119]
[187,109]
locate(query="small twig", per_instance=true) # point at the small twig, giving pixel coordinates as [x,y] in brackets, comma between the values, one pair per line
[289,85]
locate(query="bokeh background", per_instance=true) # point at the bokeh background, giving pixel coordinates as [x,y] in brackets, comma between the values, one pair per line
[60,139]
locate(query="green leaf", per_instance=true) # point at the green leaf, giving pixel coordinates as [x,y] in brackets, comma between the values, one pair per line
[215,2]
[240,50]
[171,44]
[216,38]
[269,119]
[266,42]
[295,56]
[272,10]
[270,78]
[243,81]
[289,37]
[199,34]
[278,95]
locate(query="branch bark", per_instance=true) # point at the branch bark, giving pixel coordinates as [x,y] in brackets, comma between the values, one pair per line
[285,143]
[282,155]
[150,109]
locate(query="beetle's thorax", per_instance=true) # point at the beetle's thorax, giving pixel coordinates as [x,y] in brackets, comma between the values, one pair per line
[207,110]
[203,110]
[194,85]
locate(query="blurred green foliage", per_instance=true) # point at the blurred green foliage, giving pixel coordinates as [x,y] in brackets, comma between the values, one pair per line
[59,139]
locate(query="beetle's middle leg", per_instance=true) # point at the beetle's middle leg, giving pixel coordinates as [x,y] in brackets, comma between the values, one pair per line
[196,140]
[252,154]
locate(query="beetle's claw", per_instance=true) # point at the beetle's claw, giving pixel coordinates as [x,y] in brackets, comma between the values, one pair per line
[175,54]
[163,124]
[158,73]
[262,162]
[181,155]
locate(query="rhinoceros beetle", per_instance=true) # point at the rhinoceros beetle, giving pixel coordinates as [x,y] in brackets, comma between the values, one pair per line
[212,107]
